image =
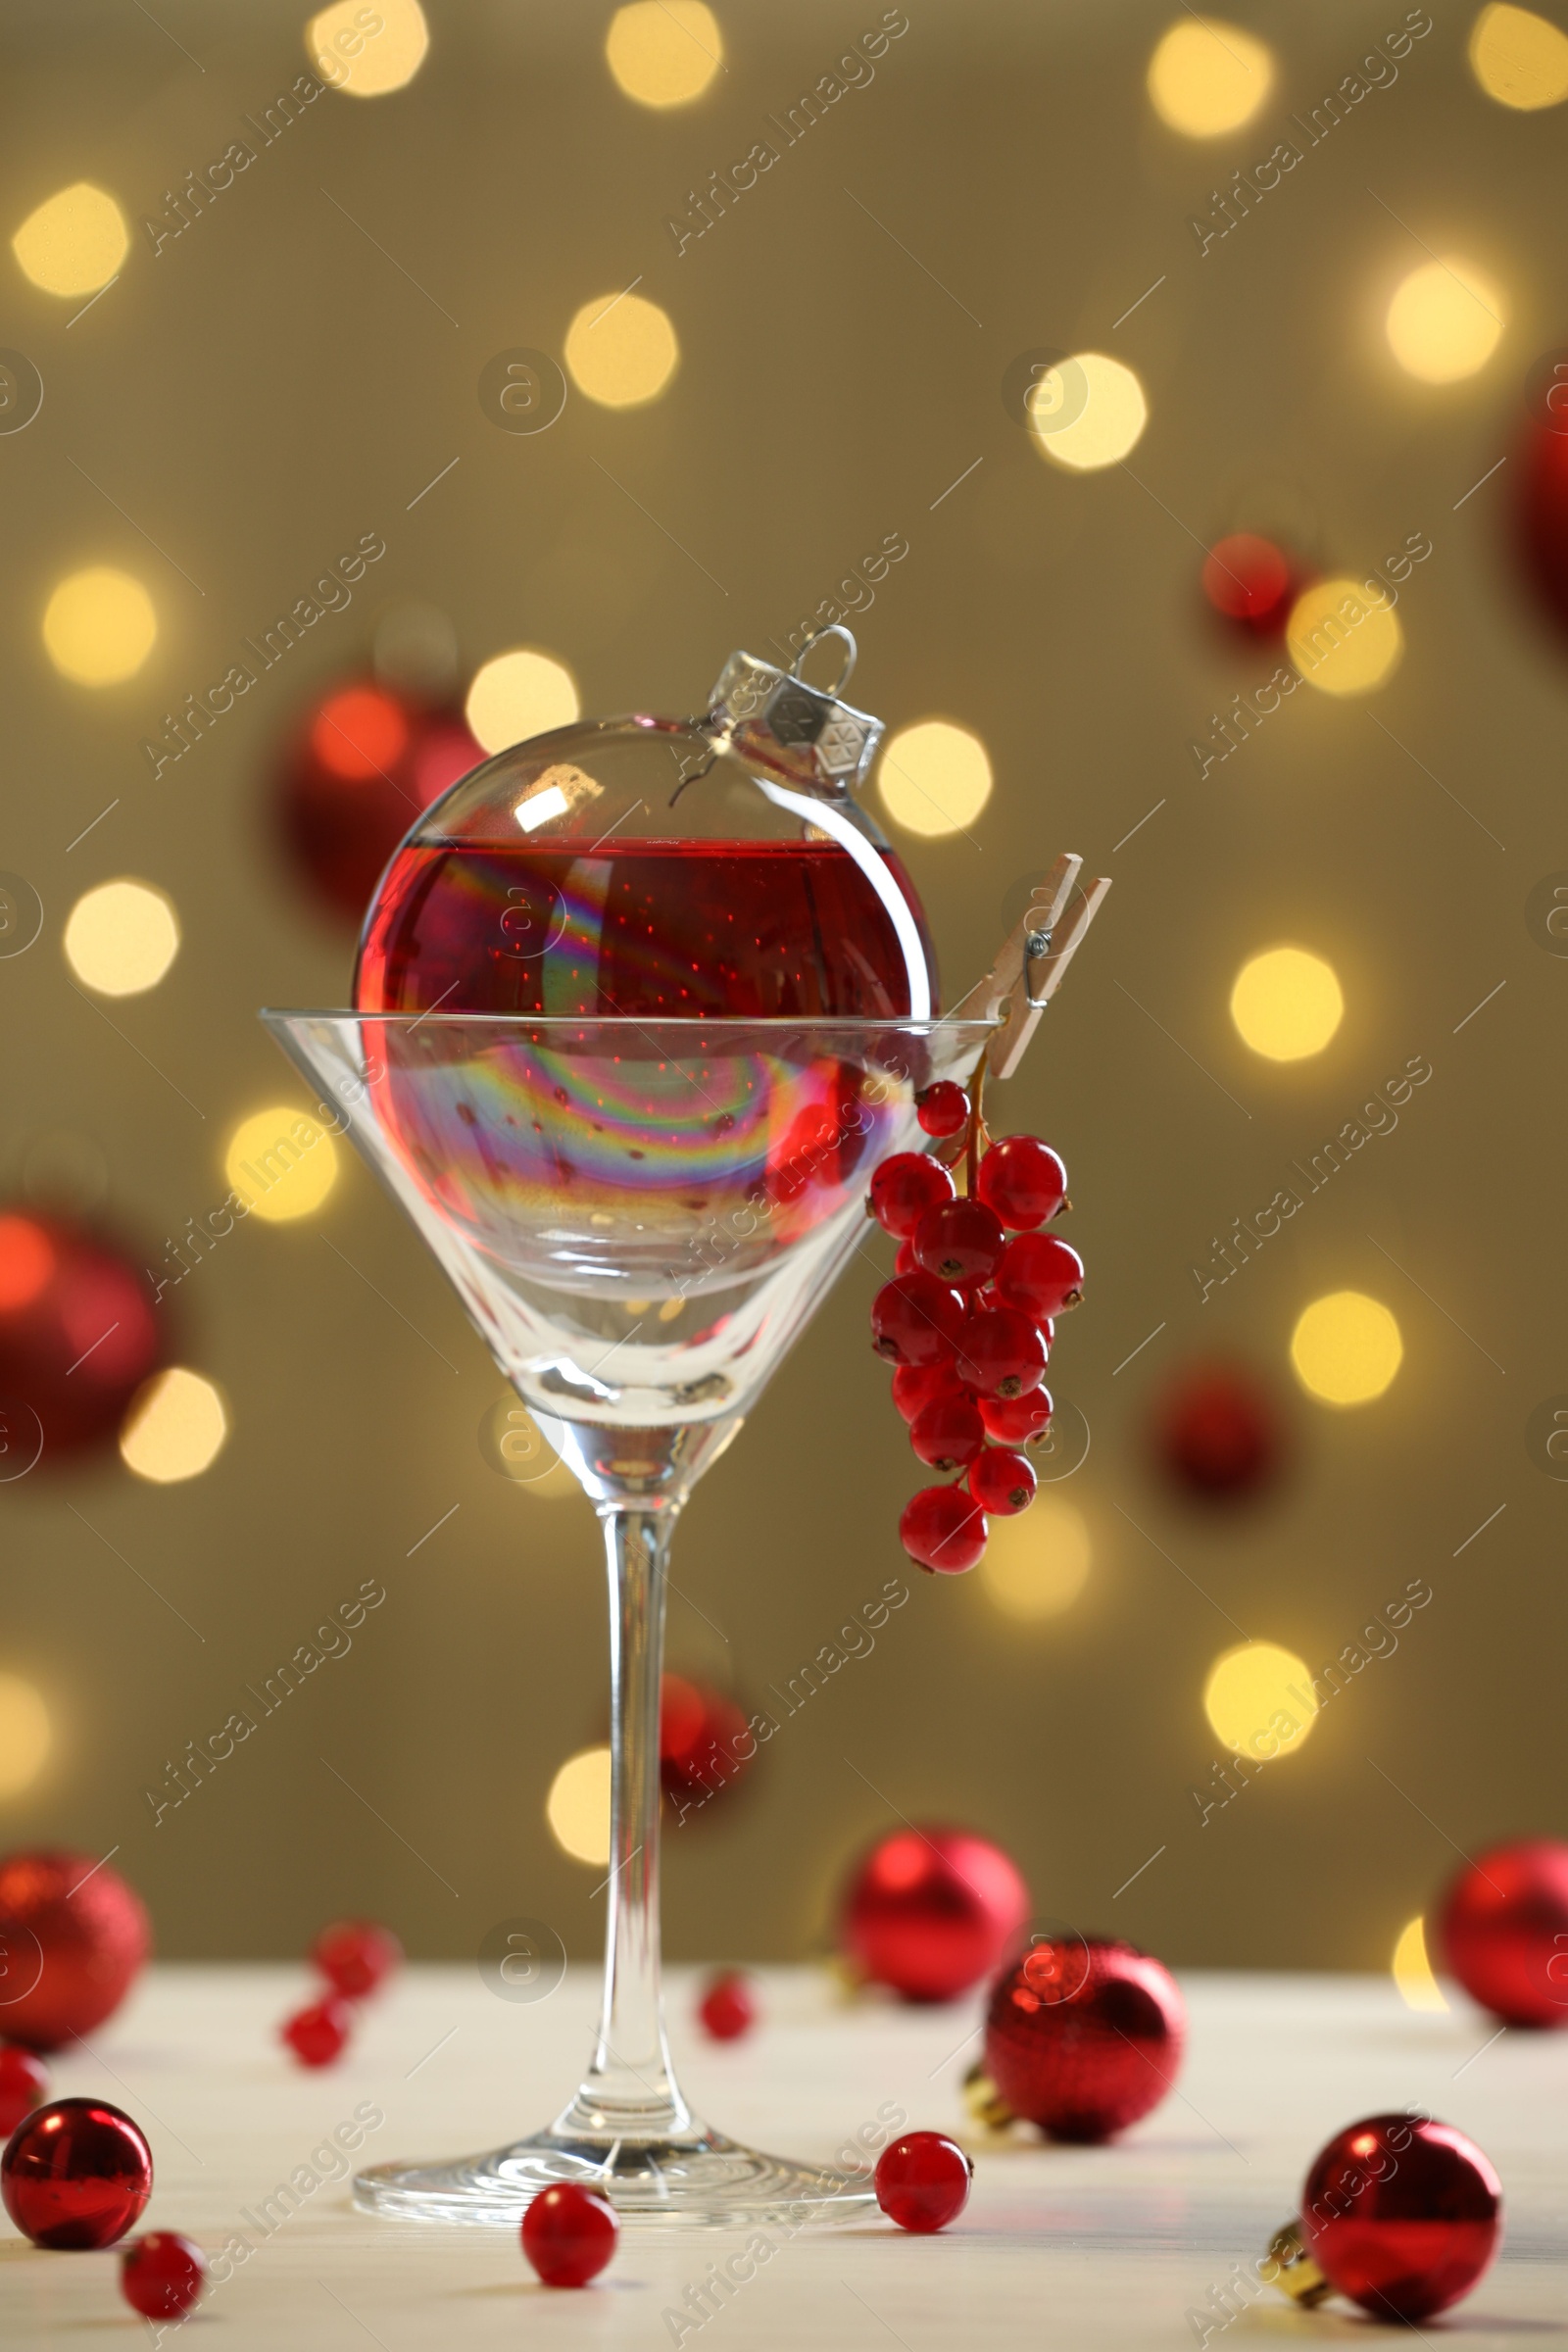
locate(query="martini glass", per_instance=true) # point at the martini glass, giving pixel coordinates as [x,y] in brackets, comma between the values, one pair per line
[639,1217]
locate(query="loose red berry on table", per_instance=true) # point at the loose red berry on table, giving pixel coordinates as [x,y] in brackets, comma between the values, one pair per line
[923,2181]
[942,1109]
[944,1529]
[729,2007]
[77,2174]
[915,1386]
[570,2233]
[1016,1420]
[1023,1181]
[1002,1482]
[162,2274]
[1000,1353]
[915,1319]
[904,1188]
[356,1955]
[317,2034]
[960,1241]
[24,2085]
[1039,1275]
[949,1432]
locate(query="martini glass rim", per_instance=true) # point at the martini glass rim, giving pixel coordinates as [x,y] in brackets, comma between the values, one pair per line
[694,1024]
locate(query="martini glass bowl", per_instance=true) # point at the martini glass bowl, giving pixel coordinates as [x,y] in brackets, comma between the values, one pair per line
[639,1217]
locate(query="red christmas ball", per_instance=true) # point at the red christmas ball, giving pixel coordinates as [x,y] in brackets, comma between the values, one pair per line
[364,765]
[162,2274]
[923,2181]
[356,1955]
[1084,2035]
[1252,582]
[729,2006]
[319,2035]
[1541,505]
[23,2086]
[78,1334]
[1402,2215]
[703,1745]
[931,1911]
[1217,1434]
[77,1937]
[77,2174]
[1502,1930]
[570,2233]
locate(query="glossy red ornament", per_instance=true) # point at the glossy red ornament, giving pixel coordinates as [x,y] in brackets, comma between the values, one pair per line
[1502,1930]
[703,1745]
[75,1937]
[317,2034]
[162,2274]
[23,2086]
[1250,581]
[1540,494]
[923,2181]
[1402,2215]
[77,2174]
[930,1911]
[729,2006]
[1083,2036]
[366,763]
[78,1332]
[356,1955]
[1217,1434]
[570,2233]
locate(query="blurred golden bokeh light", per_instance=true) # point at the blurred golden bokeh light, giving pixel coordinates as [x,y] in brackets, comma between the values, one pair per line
[1444,322]
[121,938]
[26,1736]
[1286,1004]
[622,350]
[577,1807]
[664,52]
[1340,640]
[1412,1970]
[74,242]
[99,626]
[1208,77]
[1036,1565]
[175,1427]
[1346,1348]
[1518,58]
[1259,1700]
[519,693]
[369,51]
[281,1162]
[1088,412]
[935,777]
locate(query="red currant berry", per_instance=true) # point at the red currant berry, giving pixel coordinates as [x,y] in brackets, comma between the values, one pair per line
[1000,1353]
[905,1260]
[942,1109]
[570,2233]
[1002,1482]
[1023,1181]
[162,2274]
[356,1955]
[923,2181]
[727,2008]
[916,1320]
[904,1188]
[960,1241]
[1039,1275]
[317,2035]
[1017,1420]
[948,1432]
[915,1386]
[23,2086]
[944,1529]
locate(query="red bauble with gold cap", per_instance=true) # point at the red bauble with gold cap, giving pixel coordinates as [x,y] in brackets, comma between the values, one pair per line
[75,1935]
[1401,2213]
[930,1911]
[1084,2035]
[367,761]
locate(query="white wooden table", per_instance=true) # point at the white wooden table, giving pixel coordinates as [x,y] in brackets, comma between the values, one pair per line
[1074,2247]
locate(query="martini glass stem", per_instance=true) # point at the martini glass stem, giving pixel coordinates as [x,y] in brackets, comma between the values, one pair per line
[629,2090]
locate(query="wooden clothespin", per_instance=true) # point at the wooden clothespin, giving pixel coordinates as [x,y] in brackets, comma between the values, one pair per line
[1036,953]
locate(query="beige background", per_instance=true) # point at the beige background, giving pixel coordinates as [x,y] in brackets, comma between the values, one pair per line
[270,387]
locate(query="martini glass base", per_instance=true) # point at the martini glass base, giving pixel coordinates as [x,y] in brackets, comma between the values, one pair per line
[699,2181]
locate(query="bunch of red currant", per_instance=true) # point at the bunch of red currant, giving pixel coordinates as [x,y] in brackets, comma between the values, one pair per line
[969,1316]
